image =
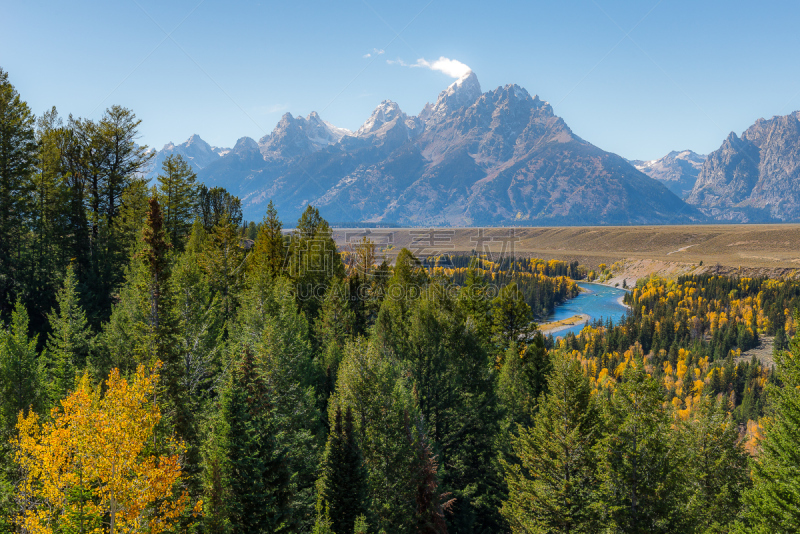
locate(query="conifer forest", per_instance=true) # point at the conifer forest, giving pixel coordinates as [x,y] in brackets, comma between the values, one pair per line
[166,366]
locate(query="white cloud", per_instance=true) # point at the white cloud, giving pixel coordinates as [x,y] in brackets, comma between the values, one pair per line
[375,52]
[451,67]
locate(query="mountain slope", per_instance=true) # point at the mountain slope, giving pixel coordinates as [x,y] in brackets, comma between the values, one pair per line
[500,157]
[755,177]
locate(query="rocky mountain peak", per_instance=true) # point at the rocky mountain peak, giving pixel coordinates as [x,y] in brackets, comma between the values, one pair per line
[678,170]
[195,140]
[244,145]
[386,112]
[461,93]
[753,177]
[298,136]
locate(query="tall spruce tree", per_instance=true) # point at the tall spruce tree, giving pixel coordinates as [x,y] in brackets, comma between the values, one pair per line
[343,485]
[715,470]
[49,224]
[314,260]
[552,482]
[523,378]
[512,320]
[370,383]
[178,195]
[22,385]
[223,260]
[17,165]
[773,504]
[69,341]
[268,256]
[636,456]
[259,477]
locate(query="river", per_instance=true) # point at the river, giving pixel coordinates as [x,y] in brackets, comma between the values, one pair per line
[598,301]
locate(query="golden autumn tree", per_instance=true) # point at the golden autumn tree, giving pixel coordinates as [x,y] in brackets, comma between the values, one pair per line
[91,468]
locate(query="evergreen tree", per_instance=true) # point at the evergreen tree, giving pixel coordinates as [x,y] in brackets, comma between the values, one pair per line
[636,456]
[69,341]
[133,213]
[715,467]
[773,504]
[523,378]
[49,225]
[334,327]
[223,260]
[343,484]
[314,260]
[430,508]
[474,301]
[552,484]
[17,165]
[178,196]
[215,204]
[199,326]
[155,257]
[512,321]
[383,407]
[259,478]
[454,387]
[270,324]
[22,385]
[269,251]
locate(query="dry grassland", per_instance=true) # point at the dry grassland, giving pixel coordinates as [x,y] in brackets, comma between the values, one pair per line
[771,250]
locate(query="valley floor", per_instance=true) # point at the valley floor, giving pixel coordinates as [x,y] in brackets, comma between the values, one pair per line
[765,249]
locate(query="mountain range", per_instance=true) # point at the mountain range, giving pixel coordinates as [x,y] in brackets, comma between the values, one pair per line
[500,157]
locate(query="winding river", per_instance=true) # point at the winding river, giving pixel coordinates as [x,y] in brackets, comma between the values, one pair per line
[596,301]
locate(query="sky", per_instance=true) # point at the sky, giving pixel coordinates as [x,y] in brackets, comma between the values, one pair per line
[638,78]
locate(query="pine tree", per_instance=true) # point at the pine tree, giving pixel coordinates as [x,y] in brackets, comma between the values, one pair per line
[17,165]
[135,205]
[69,341]
[512,321]
[474,301]
[431,506]
[715,467]
[523,378]
[155,257]
[369,382]
[552,483]
[22,386]
[223,260]
[259,478]
[49,206]
[215,204]
[334,327]
[314,260]
[773,504]
[268,256]
[178,196]
[636,456]
[343,485]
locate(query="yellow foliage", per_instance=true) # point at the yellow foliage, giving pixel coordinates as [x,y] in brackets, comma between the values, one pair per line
[89,467]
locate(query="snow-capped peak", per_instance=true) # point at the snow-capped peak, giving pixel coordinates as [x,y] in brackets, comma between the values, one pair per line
[462,92]
[387,111]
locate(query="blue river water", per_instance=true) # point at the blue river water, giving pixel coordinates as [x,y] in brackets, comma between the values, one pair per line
[598,301]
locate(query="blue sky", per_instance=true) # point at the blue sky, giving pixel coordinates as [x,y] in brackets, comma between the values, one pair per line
[638,78]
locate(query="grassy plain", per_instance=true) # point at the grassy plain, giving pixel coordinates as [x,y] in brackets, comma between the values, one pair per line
[769,249]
